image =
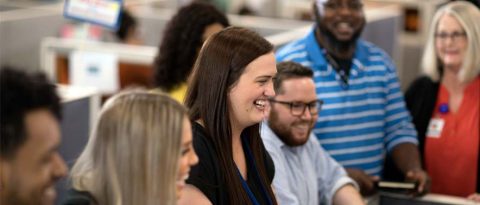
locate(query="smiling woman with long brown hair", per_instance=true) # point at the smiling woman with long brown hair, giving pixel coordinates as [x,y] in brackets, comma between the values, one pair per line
[231,83]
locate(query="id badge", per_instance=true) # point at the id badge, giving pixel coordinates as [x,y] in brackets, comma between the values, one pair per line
[435,127]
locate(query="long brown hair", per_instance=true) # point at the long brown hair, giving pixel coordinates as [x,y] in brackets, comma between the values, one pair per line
[221,62]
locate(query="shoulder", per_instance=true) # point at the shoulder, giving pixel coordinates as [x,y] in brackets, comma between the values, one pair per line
[270,140]
[203,145]
[371,49]
[371,54]
[423,81]
[206,175]
[75,197]
[292,48]
[422,84]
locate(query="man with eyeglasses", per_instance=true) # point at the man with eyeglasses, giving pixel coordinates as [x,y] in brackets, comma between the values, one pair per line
[364,116]
[304,173]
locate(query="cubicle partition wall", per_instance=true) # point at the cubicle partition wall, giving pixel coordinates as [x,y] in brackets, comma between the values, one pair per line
[80,107]
[134,62]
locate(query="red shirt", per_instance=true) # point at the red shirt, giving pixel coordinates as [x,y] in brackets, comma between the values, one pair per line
[452,143]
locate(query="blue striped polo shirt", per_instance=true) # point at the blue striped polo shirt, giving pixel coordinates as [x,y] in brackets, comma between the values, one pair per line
[360,121]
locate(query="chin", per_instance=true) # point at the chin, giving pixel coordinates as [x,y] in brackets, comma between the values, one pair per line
[179,192]
[257,118]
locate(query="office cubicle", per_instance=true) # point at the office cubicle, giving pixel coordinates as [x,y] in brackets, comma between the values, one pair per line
[135,62]
[80,107]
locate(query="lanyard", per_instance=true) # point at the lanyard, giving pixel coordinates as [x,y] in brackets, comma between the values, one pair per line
[250,159]
[343,75]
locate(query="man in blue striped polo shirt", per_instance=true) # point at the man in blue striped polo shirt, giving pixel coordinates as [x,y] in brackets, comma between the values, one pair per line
[364,115]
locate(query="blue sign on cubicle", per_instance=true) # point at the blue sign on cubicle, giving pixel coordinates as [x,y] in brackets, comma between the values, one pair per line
[102,12]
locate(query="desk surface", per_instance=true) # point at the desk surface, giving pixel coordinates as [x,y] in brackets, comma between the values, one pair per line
[429,199]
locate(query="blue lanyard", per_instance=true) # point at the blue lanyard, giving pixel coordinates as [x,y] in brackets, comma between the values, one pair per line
[250,159]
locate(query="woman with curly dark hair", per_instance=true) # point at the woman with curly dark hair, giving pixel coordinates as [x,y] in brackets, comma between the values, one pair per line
[183,38]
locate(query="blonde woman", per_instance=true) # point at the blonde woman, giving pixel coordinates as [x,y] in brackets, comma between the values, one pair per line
[139,153]
[445,104]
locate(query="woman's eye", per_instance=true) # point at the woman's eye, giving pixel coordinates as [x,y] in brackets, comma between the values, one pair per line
[185,151]
[263,81]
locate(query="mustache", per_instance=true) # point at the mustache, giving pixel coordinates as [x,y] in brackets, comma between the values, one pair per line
[338,44]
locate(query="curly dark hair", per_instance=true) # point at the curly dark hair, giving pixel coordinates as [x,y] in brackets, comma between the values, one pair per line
[181,42]
[21,93]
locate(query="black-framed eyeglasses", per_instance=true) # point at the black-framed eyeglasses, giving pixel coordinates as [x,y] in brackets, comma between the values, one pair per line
[455,36]
[298,108]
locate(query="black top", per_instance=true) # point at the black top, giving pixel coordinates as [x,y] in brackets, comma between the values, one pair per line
[421,98]
[75,197]
[207,174]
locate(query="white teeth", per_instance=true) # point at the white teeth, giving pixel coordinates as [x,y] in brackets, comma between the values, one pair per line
[344,26]
[260,102]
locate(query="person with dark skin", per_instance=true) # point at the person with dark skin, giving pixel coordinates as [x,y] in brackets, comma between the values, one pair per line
[30,163]
[364,114]
[182,40]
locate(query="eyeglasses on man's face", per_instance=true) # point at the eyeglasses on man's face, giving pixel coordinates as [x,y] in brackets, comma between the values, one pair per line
[298,108]
[455,36]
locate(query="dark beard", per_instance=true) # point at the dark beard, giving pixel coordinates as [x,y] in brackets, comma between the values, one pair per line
[283,132]
[333,45]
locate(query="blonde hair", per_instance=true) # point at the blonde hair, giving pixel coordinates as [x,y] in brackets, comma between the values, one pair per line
[467,15]
[132,155]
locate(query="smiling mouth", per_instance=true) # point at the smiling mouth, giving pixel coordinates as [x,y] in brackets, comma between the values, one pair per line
[181,181]
[50,194]
[260,104]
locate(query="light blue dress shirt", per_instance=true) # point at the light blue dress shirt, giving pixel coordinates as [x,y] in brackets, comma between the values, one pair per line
[306,174]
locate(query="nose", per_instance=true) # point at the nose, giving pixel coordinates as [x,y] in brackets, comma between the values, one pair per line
[60,169]
[448,40]
[193,159]
[269,91]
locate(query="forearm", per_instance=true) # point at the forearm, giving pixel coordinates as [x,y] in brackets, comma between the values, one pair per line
[407,157]
[347,195]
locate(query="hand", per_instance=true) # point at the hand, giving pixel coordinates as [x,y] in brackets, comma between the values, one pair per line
[474,197]
[365,181]
[422,178]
